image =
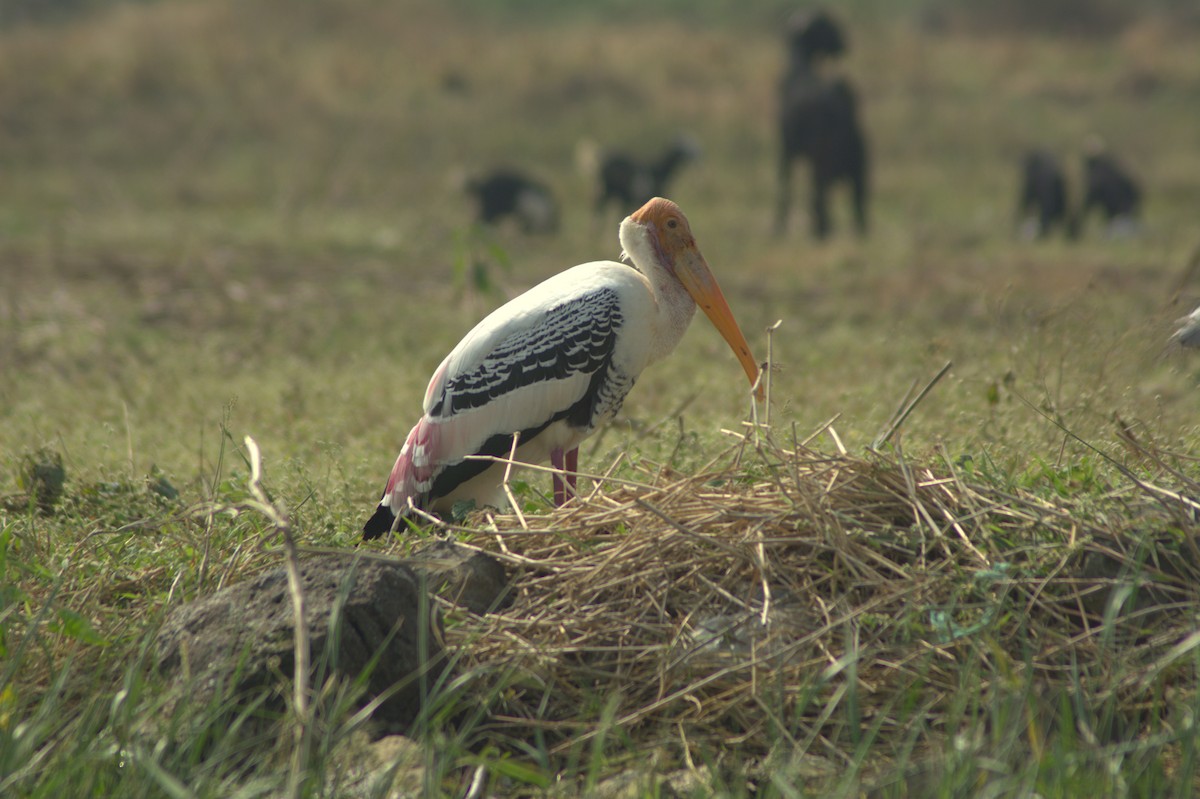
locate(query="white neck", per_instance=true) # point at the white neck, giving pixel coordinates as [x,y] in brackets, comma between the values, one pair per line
[674,305]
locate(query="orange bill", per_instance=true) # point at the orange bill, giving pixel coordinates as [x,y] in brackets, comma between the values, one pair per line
[693,272]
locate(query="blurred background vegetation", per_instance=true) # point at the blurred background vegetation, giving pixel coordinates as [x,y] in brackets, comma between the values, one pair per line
[249,209]
[221,218]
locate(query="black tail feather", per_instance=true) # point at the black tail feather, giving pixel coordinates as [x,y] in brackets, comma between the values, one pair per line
[380,523]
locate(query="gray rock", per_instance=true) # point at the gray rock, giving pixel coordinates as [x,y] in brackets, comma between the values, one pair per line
[468,578]
[239,641]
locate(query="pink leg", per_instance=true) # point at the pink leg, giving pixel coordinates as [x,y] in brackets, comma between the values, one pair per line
[568,464]
[560,491]
[572,467]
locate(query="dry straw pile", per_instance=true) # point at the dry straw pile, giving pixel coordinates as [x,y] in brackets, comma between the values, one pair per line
[791,595]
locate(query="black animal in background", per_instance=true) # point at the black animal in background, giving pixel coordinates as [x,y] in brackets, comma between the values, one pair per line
[818,121]
[505,193]
[630,182]
[1107,186]
[1042,205]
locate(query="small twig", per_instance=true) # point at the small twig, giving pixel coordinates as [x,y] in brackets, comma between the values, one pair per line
[841,448]
[300,638]
[413,510]
[908,409]
[537,467]
[770,363]
[477,784]
[649,430]
[687,531]
[761,552]
[597,487]
[129,441]
[1120,467]
[819,430]
[512,499]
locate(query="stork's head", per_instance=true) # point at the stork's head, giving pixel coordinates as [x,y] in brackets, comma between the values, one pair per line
[664,235]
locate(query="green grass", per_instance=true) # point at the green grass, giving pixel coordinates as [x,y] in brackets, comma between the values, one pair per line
[220,219]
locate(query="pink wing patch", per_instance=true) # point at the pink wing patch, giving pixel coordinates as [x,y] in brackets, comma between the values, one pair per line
[415,468]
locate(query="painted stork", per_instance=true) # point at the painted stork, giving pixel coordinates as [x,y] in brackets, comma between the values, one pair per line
[553,364]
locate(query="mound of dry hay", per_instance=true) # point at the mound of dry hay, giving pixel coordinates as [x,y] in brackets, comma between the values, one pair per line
[740,605]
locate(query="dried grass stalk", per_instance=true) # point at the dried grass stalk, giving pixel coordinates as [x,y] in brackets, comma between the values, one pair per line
[726,600]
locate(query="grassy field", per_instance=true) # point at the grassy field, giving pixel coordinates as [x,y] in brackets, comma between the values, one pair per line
[221,219]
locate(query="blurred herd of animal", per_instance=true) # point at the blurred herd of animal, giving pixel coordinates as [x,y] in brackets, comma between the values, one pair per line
[1045,207]
[819,125]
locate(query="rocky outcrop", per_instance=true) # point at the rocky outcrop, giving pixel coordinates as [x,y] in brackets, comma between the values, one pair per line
[239,641]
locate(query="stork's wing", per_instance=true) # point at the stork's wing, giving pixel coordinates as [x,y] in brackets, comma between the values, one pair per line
[525,374]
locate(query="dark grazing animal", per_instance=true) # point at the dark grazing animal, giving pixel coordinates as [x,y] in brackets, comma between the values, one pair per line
[1042,205]
[505,193]
[1108,187]
[630,182]
[818,122]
